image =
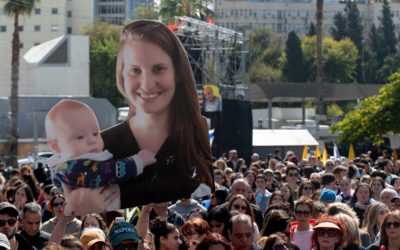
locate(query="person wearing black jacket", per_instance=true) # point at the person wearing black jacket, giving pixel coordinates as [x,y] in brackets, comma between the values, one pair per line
[9,226]
[31,218]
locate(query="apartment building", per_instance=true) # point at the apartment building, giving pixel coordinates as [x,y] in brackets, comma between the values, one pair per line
[117,11]
[283,16]
[49,19]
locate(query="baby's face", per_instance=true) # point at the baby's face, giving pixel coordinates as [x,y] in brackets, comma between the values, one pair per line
[78,133]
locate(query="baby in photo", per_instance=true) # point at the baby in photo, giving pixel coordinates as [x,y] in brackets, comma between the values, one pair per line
[73,135]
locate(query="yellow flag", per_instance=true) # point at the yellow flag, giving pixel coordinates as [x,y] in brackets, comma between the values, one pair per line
[317,152]
[305,153]
[352,154]
[325,155]
[394,155]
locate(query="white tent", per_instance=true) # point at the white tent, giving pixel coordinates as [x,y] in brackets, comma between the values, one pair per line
[282,137]
[265,141]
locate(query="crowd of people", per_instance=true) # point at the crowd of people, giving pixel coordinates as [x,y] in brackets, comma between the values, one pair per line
[282,203]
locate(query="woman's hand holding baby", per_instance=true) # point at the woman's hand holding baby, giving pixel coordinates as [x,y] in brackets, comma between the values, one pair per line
[147,157]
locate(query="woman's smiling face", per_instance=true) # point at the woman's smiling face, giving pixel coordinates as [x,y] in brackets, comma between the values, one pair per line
[149,77]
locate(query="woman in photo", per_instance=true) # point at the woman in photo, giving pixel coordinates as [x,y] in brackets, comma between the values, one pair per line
[153,73]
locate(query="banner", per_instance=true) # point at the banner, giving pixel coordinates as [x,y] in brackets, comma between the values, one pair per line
[352,154]
[317,152]
[305,153]
[325,155]
[336,153]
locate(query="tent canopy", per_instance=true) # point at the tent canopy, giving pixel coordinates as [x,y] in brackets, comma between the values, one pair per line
[282,137]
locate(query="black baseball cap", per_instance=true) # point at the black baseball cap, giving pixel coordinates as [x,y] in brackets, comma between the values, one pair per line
[8,208]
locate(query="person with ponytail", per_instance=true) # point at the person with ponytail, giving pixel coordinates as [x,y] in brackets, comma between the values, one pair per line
[166,235]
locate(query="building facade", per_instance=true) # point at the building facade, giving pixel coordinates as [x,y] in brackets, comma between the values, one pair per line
[49,19]
[283,16]
[117,11]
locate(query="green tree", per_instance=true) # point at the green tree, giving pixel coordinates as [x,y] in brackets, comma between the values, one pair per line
[102,31]
[339,29]
[334,110]
[319,80]
[265,57]
[102,71]
[370,66]
[294,68]
[381,44]
[15,8]
[388,30]
[260,39]
[192,8]
[260,72]
[104,39]
[146,12]
[349,25]
[390,66]
[311,31]
[354,32]
[375,117]
[272,55]
[339,59]
[354,24]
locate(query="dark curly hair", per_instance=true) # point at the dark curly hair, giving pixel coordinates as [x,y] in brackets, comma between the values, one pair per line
[160,227]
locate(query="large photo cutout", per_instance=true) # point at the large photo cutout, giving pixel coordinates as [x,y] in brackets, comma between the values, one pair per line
[160,153]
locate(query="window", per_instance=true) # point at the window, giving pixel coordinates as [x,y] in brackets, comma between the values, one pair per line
[20,28]
[54,11]
[21,45]
[3,28]
[54,28]
[37,11]
[69,30]
[37,28]
[36,44]
[69,13]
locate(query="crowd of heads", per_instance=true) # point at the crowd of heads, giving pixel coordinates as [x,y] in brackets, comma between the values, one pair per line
[260,204]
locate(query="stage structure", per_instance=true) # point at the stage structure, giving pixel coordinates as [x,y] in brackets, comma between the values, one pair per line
[218,59]
[217,55]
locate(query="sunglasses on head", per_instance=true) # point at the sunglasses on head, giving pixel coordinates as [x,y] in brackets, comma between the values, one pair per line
[328,232]
[10,222]
[308,188]
[58,204]
[302,213]
[395,224]
[239,207]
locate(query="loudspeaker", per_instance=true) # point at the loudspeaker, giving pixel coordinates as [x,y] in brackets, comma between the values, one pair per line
[235,130]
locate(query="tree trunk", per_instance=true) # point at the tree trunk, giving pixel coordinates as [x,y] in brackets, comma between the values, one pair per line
[14,93]
[319,79]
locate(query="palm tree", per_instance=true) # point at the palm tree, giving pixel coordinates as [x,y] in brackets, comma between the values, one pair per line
[192,8]
[15,8]
[320,79]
